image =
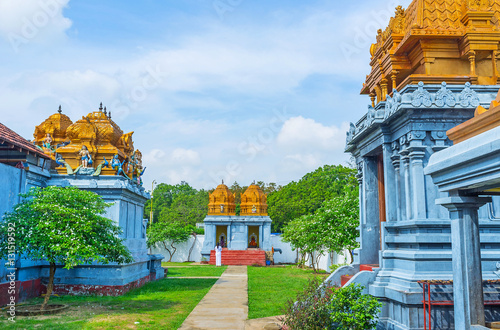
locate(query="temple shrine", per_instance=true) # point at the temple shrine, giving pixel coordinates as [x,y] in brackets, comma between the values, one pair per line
[244,238]
[92,154]
[433,67]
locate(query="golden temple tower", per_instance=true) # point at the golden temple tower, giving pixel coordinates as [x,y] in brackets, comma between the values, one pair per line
[221,201]
[99,134]
[253,202]
[435,41]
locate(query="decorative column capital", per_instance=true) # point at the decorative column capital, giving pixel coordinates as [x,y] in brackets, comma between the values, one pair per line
[457,203]
[439,138]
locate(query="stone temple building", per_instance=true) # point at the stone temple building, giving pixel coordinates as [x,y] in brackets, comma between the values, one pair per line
[92,154]
[434,64]
[244,238]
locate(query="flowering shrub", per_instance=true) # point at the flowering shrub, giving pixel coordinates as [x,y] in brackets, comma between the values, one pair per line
[320,307]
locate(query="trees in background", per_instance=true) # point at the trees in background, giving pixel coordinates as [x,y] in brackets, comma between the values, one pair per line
[332,228]
[180,208]
[63,226]
[304,197]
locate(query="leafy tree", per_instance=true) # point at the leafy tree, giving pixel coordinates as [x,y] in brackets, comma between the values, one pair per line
[307,195]
[332,228]
[339,219]
[172,232]
[63,226]
[187,209]
[163,196]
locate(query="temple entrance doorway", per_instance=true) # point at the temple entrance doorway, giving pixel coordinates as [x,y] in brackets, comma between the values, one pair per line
[221,232]
[253,237]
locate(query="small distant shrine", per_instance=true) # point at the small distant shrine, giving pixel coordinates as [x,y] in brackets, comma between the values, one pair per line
[245,237]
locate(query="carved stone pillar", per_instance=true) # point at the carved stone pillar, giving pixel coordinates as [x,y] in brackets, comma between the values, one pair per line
[417,154]
[396,163]
[466,255]
[389,179]
[407,179]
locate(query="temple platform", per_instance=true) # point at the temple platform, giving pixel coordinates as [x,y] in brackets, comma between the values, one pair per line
[240,257]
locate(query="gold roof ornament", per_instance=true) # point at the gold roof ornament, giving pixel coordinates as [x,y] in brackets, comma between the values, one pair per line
[52,132]
[95,143]
[253,202]
[435,41]
[221,201]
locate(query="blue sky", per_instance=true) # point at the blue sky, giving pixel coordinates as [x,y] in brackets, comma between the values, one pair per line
[213,89]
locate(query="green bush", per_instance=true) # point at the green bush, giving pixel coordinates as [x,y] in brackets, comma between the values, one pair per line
[320,307]
[310,311]
[351,309]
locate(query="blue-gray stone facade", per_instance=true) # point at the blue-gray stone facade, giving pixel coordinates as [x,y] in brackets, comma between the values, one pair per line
[127,211]
[392,143]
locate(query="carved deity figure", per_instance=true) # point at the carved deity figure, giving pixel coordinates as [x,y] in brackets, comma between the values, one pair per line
[254,209]
[85,156]
[222,208]
[253,243]
[47,142]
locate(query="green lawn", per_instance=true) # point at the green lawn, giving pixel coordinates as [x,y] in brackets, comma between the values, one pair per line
[163,304]
[196,271]
[269,288]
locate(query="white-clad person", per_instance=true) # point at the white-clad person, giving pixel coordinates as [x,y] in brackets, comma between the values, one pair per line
[218,252]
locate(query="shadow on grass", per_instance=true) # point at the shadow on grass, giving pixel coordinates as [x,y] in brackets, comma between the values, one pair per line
[154,303]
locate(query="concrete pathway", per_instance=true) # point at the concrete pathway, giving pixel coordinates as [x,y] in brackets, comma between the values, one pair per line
[225,306]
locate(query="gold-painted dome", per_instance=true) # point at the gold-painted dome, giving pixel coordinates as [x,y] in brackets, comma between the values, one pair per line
[253,202]
[221,201]
[56,126]
[100,135]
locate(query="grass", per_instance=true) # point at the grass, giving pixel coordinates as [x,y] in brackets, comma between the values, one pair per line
[163,304]
[196,271]
[269,288]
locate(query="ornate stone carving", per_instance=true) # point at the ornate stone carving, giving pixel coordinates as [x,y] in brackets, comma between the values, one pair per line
[445,97]
[468,97]
[351,133]
[393,103]
[421,97]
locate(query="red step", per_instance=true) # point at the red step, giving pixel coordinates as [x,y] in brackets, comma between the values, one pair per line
[344,279]
[367,267]
[240,257]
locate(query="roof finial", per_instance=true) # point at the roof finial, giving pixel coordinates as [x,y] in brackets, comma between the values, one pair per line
[100,107]
[253,182]
[105,112]
[222,181]
[109,115]
[60,110]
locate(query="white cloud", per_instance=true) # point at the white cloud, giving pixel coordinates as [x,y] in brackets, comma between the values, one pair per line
[185,157]
[299,133]
[23,21]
